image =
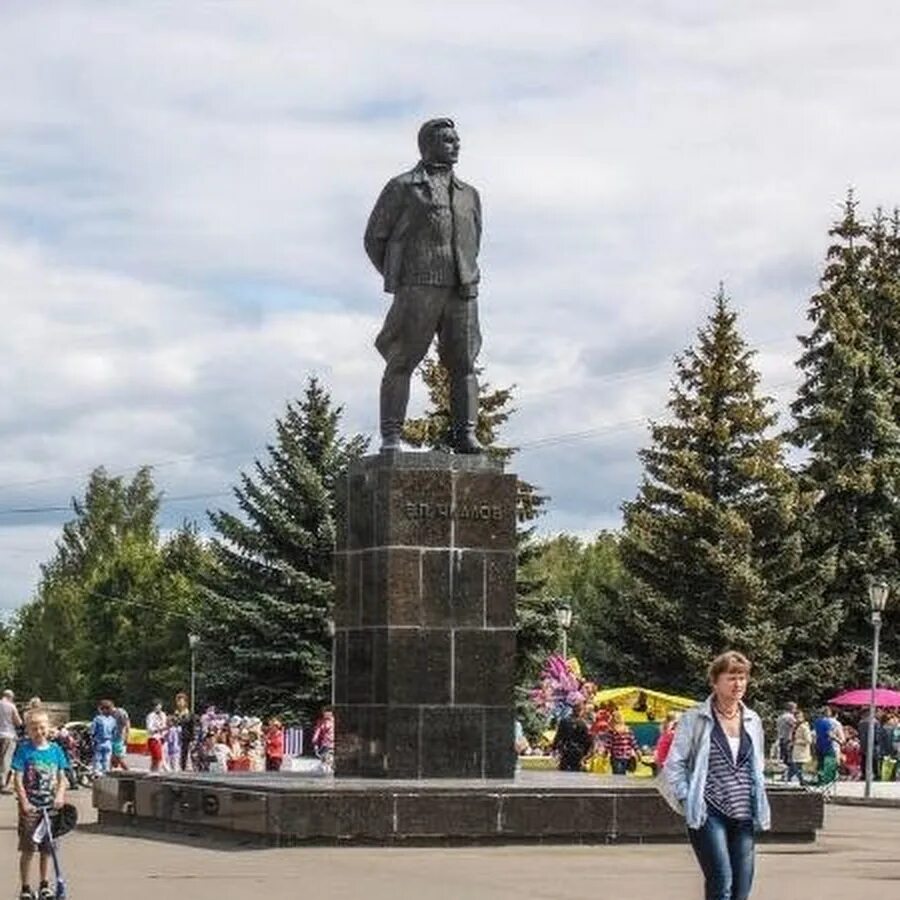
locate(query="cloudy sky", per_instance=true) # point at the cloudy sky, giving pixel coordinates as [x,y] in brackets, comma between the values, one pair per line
[184,185]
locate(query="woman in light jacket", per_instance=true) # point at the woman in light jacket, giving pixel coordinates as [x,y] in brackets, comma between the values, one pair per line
[801,747]
[715,771]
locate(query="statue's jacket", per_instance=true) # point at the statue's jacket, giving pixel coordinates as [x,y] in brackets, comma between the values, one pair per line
[408,245]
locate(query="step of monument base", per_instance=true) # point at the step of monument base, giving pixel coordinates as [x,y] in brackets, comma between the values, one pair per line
[286,809]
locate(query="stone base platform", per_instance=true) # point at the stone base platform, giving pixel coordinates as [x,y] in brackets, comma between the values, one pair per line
[286,809]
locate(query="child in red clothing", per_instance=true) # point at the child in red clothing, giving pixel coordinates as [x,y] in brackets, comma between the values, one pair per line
[600,725]
[274,735]
[851,755]
[664,744]
[323,736]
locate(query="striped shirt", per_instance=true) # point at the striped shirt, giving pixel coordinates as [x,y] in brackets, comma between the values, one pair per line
[620,744]
[293,742]
[729,783]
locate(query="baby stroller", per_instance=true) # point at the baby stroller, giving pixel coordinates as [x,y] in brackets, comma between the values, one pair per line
[202,756]
[79,748]
[827,779]
[53,825]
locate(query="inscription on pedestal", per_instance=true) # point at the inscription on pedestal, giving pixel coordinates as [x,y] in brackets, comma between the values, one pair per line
[423,510]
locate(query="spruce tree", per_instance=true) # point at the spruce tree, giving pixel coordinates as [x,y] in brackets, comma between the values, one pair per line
[535,612]
[269,591]
[433,428]
[846,422]
[888,335]
[711,543]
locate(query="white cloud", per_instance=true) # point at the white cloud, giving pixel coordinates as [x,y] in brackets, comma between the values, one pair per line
[185,186]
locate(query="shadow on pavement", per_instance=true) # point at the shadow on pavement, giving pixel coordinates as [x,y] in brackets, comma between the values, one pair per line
[226,842]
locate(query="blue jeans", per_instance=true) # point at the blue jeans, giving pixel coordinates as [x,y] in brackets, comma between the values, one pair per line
[102,758]
[724,848]
[619,766]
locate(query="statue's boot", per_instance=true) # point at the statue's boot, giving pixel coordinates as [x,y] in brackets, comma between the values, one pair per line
[464,415]
[390,441]
[394,399]
[464,439]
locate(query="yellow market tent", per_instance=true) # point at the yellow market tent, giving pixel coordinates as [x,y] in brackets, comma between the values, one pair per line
[644,721]
[654,708]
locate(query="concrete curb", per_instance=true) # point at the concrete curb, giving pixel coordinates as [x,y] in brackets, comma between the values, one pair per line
[873,802]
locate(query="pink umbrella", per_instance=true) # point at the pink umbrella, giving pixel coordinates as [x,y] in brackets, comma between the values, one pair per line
[862,697]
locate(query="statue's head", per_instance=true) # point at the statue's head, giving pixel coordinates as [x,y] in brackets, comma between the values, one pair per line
[439,142]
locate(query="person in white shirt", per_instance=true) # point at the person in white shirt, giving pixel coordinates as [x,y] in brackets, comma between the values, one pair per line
[784,730]
[157,725]
[10,720]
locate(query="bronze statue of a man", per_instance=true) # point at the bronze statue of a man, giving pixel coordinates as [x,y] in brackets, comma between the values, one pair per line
[423,237]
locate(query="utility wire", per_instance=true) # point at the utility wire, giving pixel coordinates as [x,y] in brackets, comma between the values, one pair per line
[535,444]
[172,461]
[164,501]
[551,440]
[611,378]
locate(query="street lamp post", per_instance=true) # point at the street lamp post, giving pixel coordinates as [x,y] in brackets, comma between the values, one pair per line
[193,643]
[331,633]
[878,594]
[564,618]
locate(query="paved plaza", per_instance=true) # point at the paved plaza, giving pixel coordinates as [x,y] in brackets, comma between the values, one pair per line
[856,856]
[887,792]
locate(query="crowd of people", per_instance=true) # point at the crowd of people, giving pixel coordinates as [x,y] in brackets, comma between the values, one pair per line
[600,734]
[176,740]
[823,747]
[592,738]
[237,743]
[215,741]
[829,747]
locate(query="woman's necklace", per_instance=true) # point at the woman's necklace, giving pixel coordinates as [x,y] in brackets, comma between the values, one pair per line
[726,715]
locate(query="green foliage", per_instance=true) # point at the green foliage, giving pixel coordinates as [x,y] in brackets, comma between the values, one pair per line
[846,420]
[536,619]
[536,625]
[7,651]
[268,593]
[588,575]
[111,613]
[711,542]
[433,428]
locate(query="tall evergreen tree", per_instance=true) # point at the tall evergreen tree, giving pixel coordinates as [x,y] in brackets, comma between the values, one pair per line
[887,320]
[846,421]
[711,541]
[269,590]
[887,312]
[434,427]
[535,611]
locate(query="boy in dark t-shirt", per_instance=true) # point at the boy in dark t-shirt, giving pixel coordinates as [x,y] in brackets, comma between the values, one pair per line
[39,768]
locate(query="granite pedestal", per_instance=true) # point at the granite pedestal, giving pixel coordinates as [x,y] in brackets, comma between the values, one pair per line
[424,617]
[285,809]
